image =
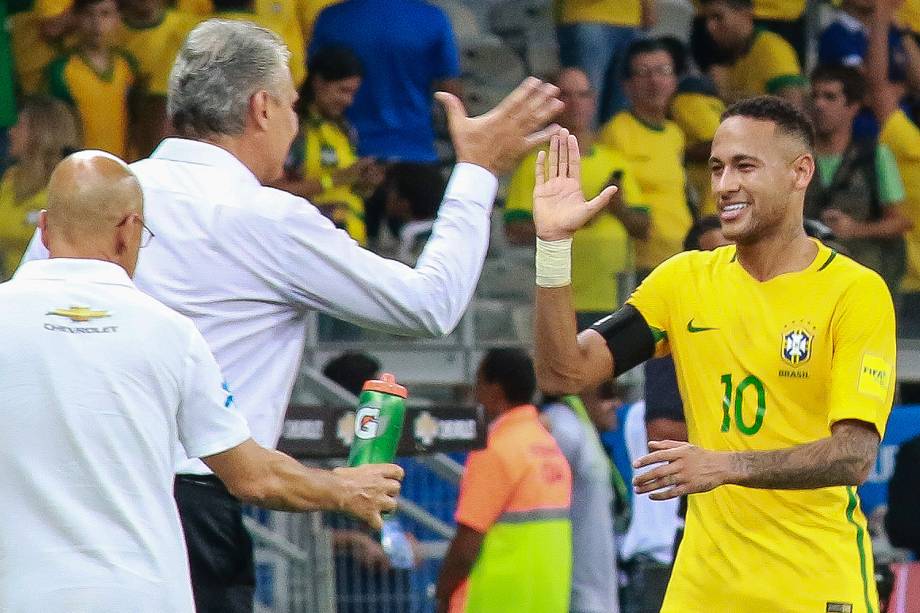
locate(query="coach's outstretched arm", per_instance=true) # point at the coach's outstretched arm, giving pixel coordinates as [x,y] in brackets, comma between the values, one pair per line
[565,362]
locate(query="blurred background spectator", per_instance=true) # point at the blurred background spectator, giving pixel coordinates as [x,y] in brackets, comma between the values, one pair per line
[513,546]
[96,77]
[39,30]
[602,253]
[574,424]
[594,36]
[7,89]
[45,133]
[857,192]
[413,195]
[654,147]
[323,165]
[408,51]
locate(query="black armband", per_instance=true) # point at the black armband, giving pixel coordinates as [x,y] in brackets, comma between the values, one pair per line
[628,336]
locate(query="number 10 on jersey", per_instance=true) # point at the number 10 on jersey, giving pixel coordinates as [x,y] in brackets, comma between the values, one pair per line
[733,404]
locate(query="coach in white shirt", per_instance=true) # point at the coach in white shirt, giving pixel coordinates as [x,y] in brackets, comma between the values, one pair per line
[246,262]
[97,381]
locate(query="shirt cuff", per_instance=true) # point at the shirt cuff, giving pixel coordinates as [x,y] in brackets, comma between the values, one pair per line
[472,183]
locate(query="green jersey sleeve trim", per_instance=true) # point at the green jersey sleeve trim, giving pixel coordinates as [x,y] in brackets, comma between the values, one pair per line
[518,215]
[57,82]
[890,184]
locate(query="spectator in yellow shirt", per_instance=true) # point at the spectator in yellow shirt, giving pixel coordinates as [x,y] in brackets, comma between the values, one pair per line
[601,250]
[152,34]
[96,77]
[594,36]
[39,32]
[323,166]
[47,131]
[654,147]
[759,62]
[902,137]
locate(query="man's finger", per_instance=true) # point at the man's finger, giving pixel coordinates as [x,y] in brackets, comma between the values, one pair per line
[666,444]
[599,202]
[388,505]
[453,107]
[574,157]
[661,472]
[668,494]
[538,138]
[553,169]
[542,106]
[392,471]
[511,105]
[375,521]
[539,177]
[664,455]
[563,153]
[392,487]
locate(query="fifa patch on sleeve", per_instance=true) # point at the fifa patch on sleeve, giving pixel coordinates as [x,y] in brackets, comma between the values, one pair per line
[839,607]
[874,377]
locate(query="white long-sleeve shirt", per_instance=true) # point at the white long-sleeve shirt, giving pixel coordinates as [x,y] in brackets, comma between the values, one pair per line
[247,262]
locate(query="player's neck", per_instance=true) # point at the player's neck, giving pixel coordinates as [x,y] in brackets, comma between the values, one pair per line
[786,251]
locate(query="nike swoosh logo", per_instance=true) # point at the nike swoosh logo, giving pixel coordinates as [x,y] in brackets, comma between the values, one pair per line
[692,329]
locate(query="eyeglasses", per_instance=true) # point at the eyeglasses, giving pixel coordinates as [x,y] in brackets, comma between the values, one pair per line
[147,234]
[663,70]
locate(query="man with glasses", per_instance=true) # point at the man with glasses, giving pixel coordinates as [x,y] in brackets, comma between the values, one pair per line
[97,380]
[654,147]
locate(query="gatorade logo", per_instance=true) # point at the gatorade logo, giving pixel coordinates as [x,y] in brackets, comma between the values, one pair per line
[366,422]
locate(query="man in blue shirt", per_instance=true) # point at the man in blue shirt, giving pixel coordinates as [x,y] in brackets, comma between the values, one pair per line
[408,51]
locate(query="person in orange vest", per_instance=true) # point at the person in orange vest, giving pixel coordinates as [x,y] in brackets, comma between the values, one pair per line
[513,546]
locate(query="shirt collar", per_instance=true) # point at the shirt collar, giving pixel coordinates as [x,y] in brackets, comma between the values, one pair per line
[518,413]
[74,269]
[206,154]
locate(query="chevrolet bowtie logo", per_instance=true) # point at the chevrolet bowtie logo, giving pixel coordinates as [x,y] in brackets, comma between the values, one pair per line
[78,313]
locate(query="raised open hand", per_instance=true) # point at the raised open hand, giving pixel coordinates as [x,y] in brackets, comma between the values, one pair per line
[559,206]
[499,138]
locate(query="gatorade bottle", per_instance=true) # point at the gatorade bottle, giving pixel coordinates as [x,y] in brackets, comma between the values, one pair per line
[378,422]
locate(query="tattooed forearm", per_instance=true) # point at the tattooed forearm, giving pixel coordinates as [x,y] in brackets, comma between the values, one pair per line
[844,458]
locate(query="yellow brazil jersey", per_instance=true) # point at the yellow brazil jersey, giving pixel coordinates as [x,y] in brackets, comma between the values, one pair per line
[600,250]
[31,52]
[698,115]
[327,147]
[902,136]
[783,10]
[155,47]
[100,99]
[769,65]
[763,366]
[18,219]
[656,155]
[909,15]
[614,12]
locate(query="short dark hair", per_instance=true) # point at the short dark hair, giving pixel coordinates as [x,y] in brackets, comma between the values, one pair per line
[351,370]
[422,185]
[642,46]
[735,4]
[333,63]
[854,84]
[787,118]
[698,229]
[512,370]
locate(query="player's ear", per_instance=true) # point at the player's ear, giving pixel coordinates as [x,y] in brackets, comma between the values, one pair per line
[803,168]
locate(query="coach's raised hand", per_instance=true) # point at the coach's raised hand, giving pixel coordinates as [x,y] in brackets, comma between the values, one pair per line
[498,139]
[559,206]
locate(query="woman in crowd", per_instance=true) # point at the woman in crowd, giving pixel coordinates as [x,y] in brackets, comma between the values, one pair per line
[46,133]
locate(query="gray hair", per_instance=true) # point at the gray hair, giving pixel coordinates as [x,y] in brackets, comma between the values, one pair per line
[221,65]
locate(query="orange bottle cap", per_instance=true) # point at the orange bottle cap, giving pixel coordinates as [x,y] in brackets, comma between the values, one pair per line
[386,384]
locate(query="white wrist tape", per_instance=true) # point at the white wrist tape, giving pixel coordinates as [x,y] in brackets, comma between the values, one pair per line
[554,263]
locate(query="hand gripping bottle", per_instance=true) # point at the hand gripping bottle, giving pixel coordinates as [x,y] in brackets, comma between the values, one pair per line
[378,422]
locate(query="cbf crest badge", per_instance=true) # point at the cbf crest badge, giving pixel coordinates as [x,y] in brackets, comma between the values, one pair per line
[798,339]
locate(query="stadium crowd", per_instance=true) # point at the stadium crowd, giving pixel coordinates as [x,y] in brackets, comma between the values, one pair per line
[94,74]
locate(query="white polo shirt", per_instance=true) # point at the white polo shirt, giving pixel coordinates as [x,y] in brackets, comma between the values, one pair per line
[97,381]
[246,262]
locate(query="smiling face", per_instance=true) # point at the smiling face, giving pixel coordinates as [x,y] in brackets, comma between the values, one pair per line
[759,177]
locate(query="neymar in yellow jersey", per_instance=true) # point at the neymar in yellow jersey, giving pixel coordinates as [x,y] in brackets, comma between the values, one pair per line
[785,359]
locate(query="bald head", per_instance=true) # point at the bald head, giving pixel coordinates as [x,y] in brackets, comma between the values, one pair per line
[92,197]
